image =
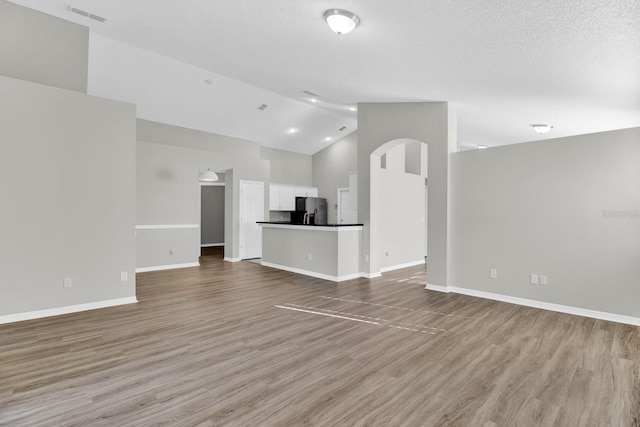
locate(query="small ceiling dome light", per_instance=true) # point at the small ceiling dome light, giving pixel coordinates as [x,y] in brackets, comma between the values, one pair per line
[482,147]
[208,176]
[540,128]
[341,21]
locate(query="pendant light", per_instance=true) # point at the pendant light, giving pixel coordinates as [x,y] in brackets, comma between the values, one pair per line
[341,21]
[208,176]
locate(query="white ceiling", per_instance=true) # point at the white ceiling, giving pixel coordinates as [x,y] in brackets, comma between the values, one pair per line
[504,64]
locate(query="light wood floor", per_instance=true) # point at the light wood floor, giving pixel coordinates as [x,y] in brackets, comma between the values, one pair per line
[241,344]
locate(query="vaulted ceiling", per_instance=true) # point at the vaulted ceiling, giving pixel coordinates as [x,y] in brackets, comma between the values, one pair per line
[209,64]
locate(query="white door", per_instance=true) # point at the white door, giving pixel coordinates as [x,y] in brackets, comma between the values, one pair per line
[426,218]
[346,213]
[251,211]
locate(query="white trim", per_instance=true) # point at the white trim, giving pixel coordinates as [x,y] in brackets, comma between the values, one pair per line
[577,311]
[371,275]
[166,226]
[167,267]
[211,245]
[437,288]
[399,266]
[212,184]
[313,227]
[229,259]
[30,315]
[312,273]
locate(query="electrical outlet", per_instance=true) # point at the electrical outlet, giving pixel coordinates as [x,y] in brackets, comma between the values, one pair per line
[310,257]
[534,279]
[493,273]
[386,253]
[543,280]
[124,276]
[170,251]
[366,258]
[67,282]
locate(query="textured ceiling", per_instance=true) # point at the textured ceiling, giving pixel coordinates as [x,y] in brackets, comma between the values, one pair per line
[503,64]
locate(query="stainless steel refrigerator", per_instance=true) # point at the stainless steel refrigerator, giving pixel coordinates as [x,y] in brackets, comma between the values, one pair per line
[310,210]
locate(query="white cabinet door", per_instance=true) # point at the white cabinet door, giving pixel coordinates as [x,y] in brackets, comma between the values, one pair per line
[287,198]
[274,197]
[306,192]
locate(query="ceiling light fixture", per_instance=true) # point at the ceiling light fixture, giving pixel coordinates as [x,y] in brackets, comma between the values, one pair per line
[327,139]
[482,147]
[540,128]
[341,21]
[292,130]
[208,176]
[353,109]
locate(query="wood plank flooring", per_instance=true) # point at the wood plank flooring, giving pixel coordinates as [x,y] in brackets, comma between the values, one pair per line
[243,345]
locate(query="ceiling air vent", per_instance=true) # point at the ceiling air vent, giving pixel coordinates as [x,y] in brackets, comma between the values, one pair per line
[342,128]
[263,107]
[314,95]
[87,14]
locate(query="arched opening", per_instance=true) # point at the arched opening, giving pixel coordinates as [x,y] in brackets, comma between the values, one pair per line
[398,207]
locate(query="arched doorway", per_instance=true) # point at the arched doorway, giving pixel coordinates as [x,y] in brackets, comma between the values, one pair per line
[398,217]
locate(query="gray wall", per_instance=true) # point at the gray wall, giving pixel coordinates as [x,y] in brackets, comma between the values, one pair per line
[380,126]
[212,214]
[41,48]
[550,208]
[67,172]
[287,167]
[168,191]
[331,167]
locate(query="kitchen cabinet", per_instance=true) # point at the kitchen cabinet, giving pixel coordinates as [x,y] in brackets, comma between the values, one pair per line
[283,197]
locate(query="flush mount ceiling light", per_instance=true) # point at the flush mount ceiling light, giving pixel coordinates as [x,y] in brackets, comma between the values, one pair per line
[208,176]
[482,147]
[341,21]
[540,128]
[292,130]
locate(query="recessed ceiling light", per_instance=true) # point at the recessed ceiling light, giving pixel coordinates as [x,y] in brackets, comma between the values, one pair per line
[328,138]
[341,21]
[314,100]
[482,147]
[292,130]
[353,109]
[541,128]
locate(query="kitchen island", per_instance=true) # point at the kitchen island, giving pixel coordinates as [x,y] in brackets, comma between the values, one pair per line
[330,252]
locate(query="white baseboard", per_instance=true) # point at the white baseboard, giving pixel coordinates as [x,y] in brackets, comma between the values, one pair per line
[594,314]
[167,267]
[211,245]
[313,273]
[229,259]
[399,266]
[30,315]
[371,275]
[437,288]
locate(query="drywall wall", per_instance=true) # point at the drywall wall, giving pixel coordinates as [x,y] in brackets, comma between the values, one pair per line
[168,165]
[331,168]
[568,209]
[212,215]
[43,49]
[288,167]
[380,127]
[402,211]
[67,173]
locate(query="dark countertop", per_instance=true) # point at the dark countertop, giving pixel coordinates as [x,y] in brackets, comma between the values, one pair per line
[308,225]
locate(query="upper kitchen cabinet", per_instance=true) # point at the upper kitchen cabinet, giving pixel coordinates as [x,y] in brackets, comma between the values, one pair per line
[283,197]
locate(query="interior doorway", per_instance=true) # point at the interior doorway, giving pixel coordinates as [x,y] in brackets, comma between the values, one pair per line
[251,211]
[346,211]
[212,210]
